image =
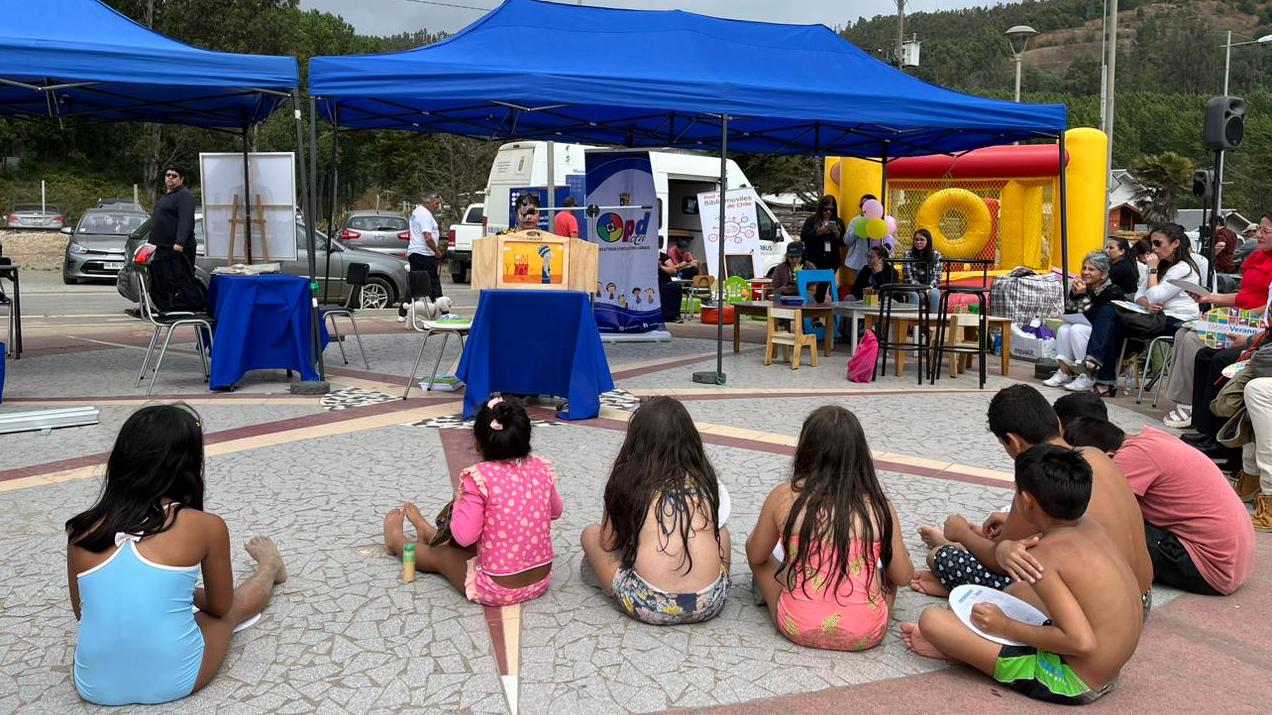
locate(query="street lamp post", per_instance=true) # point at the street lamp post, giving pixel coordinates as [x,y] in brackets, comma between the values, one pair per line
[1227,66]
[1019,36]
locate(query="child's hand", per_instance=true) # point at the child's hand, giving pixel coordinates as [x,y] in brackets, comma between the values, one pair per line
[989,618]
[956,527]
[1016,560]
[993,525]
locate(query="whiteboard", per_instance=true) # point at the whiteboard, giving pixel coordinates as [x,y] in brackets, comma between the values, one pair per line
[272,178]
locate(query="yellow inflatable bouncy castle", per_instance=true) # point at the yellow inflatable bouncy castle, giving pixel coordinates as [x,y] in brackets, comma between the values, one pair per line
[999,203]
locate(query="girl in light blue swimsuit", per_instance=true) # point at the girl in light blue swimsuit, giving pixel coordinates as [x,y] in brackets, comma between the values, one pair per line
[134,559]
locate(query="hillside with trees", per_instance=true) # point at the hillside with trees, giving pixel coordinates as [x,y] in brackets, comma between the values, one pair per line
[1170,61]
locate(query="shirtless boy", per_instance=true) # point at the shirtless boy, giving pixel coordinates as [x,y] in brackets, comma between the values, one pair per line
[1020,417]
[1088,591]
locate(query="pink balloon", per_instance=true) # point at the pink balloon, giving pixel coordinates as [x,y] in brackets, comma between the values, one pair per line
[872,208]
[892,224]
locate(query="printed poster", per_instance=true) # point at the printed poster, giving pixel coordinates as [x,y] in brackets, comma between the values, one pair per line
[741,227]
[627,299]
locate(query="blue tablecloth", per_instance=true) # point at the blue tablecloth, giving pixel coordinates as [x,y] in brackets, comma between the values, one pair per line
[262,322]
[535,342]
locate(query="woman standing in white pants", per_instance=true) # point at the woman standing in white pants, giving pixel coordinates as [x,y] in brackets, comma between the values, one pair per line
[1091,290]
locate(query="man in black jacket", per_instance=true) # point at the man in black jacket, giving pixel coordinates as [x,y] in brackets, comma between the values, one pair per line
[172,232]
[173,226]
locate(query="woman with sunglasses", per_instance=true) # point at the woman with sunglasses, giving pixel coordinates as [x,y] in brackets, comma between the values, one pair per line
[1170,259]
[823,233]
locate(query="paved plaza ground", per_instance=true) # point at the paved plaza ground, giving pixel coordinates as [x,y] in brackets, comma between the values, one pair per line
[344,634]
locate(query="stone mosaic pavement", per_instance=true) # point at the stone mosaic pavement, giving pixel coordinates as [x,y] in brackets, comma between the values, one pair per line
[345,635]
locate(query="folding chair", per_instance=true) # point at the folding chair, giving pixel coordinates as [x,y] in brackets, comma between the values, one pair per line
[356,278]
[170,321]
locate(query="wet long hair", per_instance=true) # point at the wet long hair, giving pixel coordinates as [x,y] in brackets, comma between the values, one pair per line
[840,500]
[158,455]
[662,461]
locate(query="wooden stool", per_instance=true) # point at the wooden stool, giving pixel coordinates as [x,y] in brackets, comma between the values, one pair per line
[792,341]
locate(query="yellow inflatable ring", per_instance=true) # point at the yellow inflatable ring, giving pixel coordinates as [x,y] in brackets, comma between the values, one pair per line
[966,204]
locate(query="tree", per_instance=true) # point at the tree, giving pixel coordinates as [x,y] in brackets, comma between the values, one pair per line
[1165,177]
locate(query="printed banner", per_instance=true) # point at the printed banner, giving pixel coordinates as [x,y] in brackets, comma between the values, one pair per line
[627,299]
[741,230]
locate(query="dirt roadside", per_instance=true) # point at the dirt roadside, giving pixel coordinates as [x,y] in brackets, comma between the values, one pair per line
[34,250]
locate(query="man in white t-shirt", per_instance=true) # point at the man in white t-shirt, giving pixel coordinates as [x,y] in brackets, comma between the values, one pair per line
[422,252]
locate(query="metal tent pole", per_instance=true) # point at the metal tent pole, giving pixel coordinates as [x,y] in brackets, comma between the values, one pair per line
[1064,219]
[247,197]
[717,377]
[331,210]
[301,387]
[311,221]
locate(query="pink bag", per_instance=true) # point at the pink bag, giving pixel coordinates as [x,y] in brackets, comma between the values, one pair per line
[861,366]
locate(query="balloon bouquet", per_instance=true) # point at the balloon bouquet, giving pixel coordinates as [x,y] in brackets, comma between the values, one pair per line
[874,226]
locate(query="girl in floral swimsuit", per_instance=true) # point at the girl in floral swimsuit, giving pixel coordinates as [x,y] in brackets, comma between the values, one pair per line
[659,549]
[500,549]
[844,555]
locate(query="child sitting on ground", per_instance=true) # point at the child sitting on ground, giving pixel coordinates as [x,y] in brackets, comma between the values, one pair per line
[844,555]
[1086,588]
[659,548]
[500,547]
[134,559]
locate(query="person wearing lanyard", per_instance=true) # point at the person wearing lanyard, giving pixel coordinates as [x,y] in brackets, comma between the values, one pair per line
[422,252]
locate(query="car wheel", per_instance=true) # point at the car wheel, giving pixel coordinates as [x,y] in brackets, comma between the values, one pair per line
[377,293]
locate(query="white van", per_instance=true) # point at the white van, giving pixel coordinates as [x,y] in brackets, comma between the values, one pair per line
[679,177]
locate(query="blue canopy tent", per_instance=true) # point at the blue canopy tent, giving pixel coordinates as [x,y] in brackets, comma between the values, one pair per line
[83,61]
[540,70]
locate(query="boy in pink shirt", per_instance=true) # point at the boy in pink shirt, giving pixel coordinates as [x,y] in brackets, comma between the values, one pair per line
[1198,531]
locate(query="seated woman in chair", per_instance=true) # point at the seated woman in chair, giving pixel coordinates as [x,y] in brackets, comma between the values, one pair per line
[925,268]
[877,272]
[784,282]
[1170,259]
[1092,289]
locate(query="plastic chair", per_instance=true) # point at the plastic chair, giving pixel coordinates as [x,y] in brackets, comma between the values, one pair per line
[736,289]
[803,282]
[356,277]
[170,321]
[420,284]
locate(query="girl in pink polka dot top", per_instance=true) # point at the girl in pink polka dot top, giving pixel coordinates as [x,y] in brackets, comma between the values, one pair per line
[500,550]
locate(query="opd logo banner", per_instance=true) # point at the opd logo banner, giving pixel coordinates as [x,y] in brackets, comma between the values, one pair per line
[626,231]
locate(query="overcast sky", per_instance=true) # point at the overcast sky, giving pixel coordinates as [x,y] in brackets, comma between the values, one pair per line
[389,17]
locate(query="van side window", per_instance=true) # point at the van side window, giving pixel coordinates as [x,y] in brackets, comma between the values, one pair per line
[768,227]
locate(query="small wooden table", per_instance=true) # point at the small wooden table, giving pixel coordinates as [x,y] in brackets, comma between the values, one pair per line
[825,311]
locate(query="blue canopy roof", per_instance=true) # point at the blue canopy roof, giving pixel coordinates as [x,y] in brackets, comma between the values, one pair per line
[532,69]
[80,58]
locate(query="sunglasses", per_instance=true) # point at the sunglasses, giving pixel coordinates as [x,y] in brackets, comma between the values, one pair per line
[171,175]
[528,211]
[1158,244]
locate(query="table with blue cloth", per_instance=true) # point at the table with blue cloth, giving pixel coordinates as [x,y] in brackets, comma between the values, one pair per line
[535,342]
[262,323]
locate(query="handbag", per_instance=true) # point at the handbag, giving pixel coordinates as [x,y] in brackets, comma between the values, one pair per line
[1141,325]
[443,521]
[861,366]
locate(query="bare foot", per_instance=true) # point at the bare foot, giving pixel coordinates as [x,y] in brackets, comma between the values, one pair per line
[927,583]
[933,536]
[424,531]
[266,554]
[915,641]
[394,536]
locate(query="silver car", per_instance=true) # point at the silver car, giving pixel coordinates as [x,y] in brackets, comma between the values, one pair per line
[386,284]
[96,248]
[379,231]
[36,216]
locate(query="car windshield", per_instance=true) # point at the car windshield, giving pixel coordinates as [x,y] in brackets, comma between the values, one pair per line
[377,223]
[110,223]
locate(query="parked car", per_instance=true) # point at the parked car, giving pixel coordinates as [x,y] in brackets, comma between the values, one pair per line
[97,247]
[385,286]
[36,216]
[379,231]
[459,239]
